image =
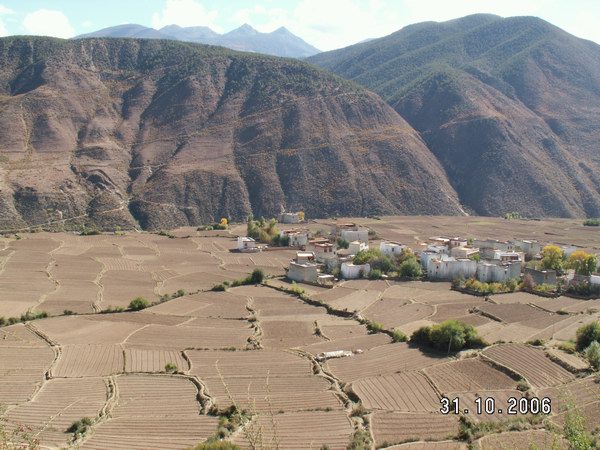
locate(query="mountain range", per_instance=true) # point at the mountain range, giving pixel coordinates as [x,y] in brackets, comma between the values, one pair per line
[510,107]
[159,134]
[280,42]
[482,115]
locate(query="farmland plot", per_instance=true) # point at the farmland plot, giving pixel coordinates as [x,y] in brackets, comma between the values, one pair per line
[395,428]
[442,445]
[144,360]
[531,363]
[288,334]
[300,430]
[578,393]
[182,337]
[205,304]
[343,329]
[153,412]
[522,314]
[467,400]
[521,439]
[468,375]
[85,330]
[404,392]
[382,360]
[590,413]
[58,404]
[393,313]
[285,306]
[24,360]
[351,344]
[73,295]
[120,287]
[89,360]
[356,301]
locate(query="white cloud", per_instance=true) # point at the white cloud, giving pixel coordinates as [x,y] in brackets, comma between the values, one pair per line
[47,22]
[4,11]
[185,13]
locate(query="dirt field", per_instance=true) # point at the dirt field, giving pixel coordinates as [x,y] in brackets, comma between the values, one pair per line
[256,347]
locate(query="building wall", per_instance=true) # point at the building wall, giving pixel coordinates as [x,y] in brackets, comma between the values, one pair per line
[387,248]
[595,280]
[352,235]
[356,247]
[450,269]
[289,218]
[351,271]
[303,272]
[541,276]
[493,273]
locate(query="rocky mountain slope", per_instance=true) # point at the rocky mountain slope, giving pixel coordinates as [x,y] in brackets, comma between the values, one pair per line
[509,106]
[126,132]
[280,42]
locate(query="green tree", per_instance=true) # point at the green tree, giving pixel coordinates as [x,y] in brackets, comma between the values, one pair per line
[586,334]
[257,276]
[452,335]
[552,258]
[138,303]
[410,268]
[574,429]
[592,354]
[582,263]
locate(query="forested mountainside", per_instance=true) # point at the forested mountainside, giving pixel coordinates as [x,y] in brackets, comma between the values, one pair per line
[509,106]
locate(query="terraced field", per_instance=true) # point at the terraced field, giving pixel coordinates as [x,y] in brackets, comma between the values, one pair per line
[257,347]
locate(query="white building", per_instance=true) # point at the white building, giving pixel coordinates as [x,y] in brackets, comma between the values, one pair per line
[304,269]
[446,267]
[432,251]
[297,238]
[351,271]
[529,247]
[357,246]
[288,217]
[324,252]
[595,280]
[246,244]
[499,257]
[355,235]
[463,252]
[498,273]
[391,248]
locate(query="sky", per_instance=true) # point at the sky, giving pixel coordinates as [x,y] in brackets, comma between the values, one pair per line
[326,24]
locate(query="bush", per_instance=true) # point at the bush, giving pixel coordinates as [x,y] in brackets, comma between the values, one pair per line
[33,316]
[536,342]
[376,259]
[450,335]
[592,354]
[374,327]
[170,367]
[410,268]
[342,243]
[375,274]
[523,386]
[361,440]
[568,347]
[68,312]
[257,276]
[3,321]
[587,334]
[592,223]
[399,336]
[138,303]
[217,445]
[80,427]
[218,287]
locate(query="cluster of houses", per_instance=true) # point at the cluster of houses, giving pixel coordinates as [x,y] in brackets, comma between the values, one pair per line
[442,258]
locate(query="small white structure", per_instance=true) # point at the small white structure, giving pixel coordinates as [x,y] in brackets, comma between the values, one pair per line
[432,251]
[324,251]
[297,238]
[530,247]
[498,273]
[357,246]
[595,280]
[288,217]
[499,257]
[246,244]
[304,269]
[391,248]
[543,276]
[351,271]
[324,356]
[355,235]
[446,267]
[568,249]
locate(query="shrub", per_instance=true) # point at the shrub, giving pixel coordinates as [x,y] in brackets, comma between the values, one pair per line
[170,367]
[80,427]
[568,347]
[574,429]
[33,316]
[523,386]
[587,334]
[257,276]
[420,336]
[218,287]
[361,440]
[374,327]
[410,268]
[536,342]
[582,263]
[376,259]
[3,321]
[68,312]
[138,303]
[217,445]
[342,243]
[592,354]
[375,274]
[592,223]
[179,293]
[399,336]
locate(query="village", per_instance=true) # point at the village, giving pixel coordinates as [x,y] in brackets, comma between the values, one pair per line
[348,251]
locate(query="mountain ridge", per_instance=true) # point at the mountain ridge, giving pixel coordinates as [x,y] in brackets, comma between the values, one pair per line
[506,104]
[160,134]
[280,42]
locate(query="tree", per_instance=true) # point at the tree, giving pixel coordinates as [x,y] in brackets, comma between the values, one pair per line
[410,268]
[138,303]
[257,276]
[592,354]
[301,216]
[587,334]
[552,258]
[582,263]
[452,335]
